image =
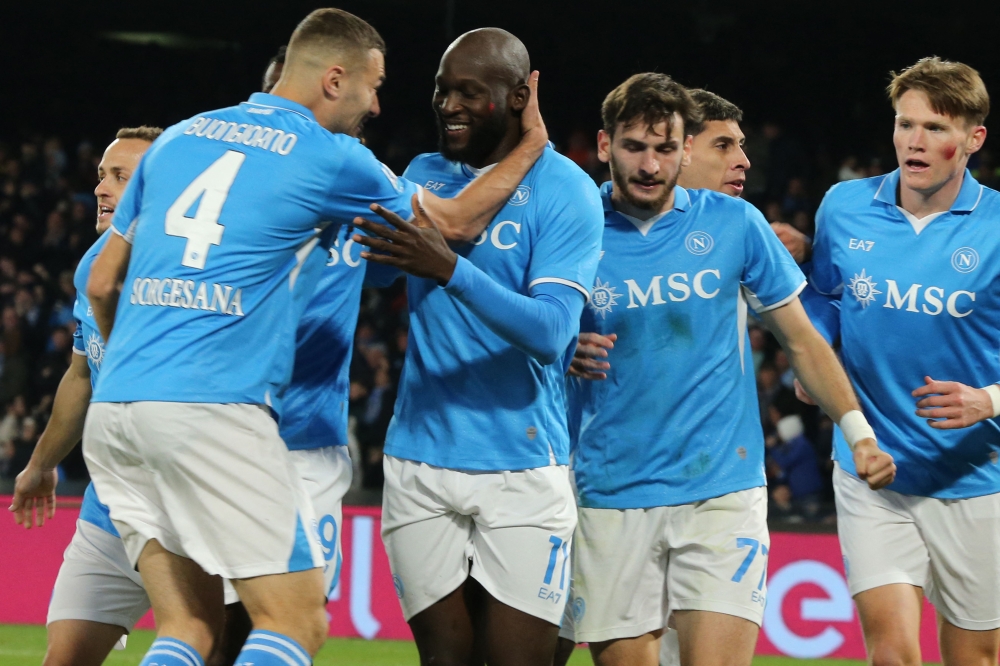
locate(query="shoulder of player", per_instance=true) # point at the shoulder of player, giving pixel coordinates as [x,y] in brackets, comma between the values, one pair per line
[857,192]
[722,207]
[555,177]
[82,273]
[433,163]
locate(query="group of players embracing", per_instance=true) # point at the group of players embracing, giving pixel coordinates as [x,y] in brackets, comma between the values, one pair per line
[559,333]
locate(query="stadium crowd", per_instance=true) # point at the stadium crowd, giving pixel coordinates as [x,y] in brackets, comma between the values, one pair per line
[47,223]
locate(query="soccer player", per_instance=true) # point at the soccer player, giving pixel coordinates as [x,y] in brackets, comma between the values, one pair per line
[477,452]
[669,452]
[219,238]
[913,259]
[718,163]
[717,159]
[98,596]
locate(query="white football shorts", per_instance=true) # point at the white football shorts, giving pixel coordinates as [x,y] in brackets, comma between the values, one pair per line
[633,567]
[326,474]
[96,582]
[516,527]
[950,548]
[210,482]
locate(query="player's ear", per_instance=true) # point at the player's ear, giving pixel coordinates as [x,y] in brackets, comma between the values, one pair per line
[333,81]
[688,143]
[518,98]
[976,139]
[603,146]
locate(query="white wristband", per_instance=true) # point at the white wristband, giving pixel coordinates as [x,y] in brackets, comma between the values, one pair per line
[994,392]
[855,427]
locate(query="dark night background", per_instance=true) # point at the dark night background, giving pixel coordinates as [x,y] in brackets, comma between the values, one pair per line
[810,77]
[818,69]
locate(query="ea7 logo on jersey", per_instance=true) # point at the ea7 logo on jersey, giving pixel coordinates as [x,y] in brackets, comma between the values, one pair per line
[603,298]
[858,244]
[520,196]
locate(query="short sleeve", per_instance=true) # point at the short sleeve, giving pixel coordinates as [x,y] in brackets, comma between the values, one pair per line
[78,346]
[824,277]
[568,243]
[771,278]
[127,211]
[362,181]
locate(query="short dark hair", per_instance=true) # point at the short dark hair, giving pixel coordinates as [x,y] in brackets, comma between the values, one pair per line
[649,98]
[953,88]
[279,57]
[144,132]
[335,29]
[712,108]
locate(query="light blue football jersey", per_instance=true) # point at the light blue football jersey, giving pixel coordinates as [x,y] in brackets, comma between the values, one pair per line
[315,411]
[677,419]
[467,399]
[225,213]
[915,304]
[88,342]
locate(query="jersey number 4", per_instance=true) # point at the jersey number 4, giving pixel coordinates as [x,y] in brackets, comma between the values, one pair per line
[209,192]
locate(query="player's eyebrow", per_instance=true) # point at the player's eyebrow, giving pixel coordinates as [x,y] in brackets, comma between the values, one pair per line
[726,139]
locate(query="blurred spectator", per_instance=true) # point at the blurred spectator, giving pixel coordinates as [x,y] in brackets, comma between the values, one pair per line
[22,446]
[849,169]
[793,470]
[795,200]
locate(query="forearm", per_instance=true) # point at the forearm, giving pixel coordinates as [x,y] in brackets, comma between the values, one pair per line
[104,307]
[65,427]
[819,371]
[465,216]
[542,325]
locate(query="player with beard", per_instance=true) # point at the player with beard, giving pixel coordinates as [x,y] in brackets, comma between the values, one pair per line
[98,597]
[477,452]
[669,451]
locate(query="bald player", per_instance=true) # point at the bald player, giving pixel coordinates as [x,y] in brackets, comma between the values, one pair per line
[220,239]
[477,452]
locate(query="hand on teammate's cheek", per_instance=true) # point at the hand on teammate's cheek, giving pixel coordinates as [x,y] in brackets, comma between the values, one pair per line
[955,404]
[873,464]
[418,249]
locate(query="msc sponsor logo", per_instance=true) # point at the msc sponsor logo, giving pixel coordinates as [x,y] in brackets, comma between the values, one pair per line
[965,260]
[863,288]
[699,243]
[342,252]
[499,236]
[928,300]
[520,196]
[704,284]
[603,298]
[95,350]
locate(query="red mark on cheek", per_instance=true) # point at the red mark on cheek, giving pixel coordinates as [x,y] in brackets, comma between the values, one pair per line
[949,152]
[493,106]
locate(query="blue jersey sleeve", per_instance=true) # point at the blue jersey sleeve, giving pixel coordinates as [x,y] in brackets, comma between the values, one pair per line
[824,277]
[770,274]
[127,212]
[362,181]
[78,346]
[570,227]
[542,325]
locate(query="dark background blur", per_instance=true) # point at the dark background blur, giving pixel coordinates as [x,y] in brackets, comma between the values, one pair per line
[818,69]
[810,77]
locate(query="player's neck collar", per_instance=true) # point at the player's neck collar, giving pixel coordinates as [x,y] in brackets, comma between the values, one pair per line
[265,100]
[966,201]
[473,172]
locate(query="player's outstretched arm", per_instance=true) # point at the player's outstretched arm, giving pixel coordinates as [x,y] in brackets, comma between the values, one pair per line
[541,325]
[465,216]
[35,487]
[105,283]
[823,378]
[591,349]
[957,405]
